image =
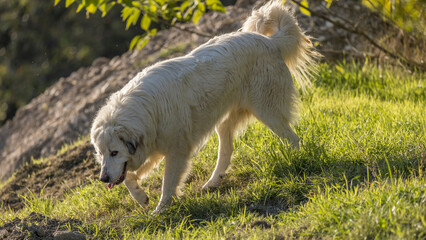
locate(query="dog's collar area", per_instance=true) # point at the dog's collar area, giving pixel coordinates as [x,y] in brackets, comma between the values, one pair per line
[120,179]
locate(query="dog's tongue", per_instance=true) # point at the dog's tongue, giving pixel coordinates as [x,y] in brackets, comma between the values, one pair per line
[110,185]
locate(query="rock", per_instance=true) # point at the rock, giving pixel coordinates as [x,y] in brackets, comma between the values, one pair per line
[32,230]
[37,230]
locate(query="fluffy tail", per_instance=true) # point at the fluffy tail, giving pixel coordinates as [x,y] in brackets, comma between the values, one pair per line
[276,21]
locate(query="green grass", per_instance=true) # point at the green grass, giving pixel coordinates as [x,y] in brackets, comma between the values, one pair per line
[358,175]
[67,147]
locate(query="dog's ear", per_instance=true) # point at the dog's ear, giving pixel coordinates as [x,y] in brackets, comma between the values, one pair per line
[131,147]
[129,139]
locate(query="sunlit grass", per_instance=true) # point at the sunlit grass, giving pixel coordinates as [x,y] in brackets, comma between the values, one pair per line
[79,141]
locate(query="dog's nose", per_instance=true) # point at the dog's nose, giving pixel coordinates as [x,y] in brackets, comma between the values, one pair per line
[105,178]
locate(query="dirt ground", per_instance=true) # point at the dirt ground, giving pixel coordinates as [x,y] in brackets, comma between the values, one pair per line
[53,177]
[36,226]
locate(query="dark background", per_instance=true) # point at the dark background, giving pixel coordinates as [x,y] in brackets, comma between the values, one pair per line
[40,42]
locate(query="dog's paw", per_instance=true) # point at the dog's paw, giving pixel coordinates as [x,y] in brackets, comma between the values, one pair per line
[209,186]
[213,183]
[160,208]
[155,212]
[140,196]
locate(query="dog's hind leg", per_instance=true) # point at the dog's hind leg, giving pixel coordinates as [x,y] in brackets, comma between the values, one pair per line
[225,131]
[275,103]
[276,121]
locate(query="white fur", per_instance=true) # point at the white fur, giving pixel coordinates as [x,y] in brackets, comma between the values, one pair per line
[169,109]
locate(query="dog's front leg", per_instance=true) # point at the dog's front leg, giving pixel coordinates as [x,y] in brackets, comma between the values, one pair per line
[176,169]
[135,190]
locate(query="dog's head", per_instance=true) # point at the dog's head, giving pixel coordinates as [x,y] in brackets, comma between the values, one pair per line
[115,148]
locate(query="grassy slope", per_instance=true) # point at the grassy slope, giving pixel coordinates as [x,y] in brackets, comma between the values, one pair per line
[359,173]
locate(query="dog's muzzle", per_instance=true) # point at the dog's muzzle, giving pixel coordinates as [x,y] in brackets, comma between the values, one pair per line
[119,180]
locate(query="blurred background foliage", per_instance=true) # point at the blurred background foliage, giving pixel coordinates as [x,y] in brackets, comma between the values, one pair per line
[406,14]
[40,43]
[163,13]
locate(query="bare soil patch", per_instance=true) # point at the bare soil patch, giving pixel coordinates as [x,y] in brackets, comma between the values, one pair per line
[51,178]
[37,226]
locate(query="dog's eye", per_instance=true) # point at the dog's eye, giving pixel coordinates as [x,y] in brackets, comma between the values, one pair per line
[114,153]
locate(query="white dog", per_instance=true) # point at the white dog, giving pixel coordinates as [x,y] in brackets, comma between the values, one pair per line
[169,109]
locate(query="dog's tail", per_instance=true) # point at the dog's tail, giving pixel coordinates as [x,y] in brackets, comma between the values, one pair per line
[276,21]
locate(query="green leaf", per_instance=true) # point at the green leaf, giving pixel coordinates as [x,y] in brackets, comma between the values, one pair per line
[201,7]
[138,42]
[329,3]
[153,8]
[132,16]
[142,42]
[137,4]
[125,13]
[56,2]
[91,8]
[153,32]
[184,6]
[81,6]
[211,2]
[135,16]
[145,22]
[218,8]
[303,9]
[197,15]
[215,5]
[134,41]
[69,2]
[105,7]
